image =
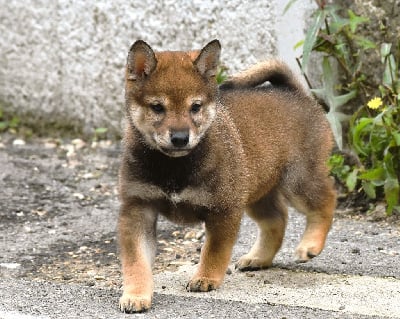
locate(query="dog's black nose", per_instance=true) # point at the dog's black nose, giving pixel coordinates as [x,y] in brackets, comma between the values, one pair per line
[180,138]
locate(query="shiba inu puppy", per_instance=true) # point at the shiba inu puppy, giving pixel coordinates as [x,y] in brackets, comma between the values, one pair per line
[195,152]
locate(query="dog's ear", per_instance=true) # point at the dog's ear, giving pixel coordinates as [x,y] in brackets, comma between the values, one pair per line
[208,59]
[141,61]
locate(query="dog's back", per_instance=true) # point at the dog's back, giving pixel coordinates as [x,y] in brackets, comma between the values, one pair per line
[280,127]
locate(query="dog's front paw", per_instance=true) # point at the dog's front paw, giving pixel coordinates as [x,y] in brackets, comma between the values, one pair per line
[202,284]
[130,303]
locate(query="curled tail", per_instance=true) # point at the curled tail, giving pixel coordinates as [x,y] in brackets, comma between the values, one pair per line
[274,71]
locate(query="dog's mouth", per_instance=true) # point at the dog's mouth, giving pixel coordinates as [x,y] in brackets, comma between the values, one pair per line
[175,152]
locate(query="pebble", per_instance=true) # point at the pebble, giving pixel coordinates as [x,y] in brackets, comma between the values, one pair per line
[28,229]
[66,277]
[18,142]
[10,265]
[200,234]
[190,235]
[40,213]
[70,150]
[50,145]
[82,249]
[105,143]
[78,195]
[78,143]
[88,176]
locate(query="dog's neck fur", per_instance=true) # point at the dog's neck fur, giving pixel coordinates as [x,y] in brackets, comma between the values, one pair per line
[171,174]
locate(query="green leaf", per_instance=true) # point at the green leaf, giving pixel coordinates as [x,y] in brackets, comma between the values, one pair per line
[339,24]
[14,122]
[311,37]
[336,127]
[373,174]
[385,50]
[221,74]
[388,163]
[389,74]
[355,20]
[3,125]
[396,137]
[392,189]
[329,82]
[327,93]
[351,180]
[343,99]
[101,130]
[364,43]
[289,5]
[357,132]
[369,189]
[298,44]
[319,93]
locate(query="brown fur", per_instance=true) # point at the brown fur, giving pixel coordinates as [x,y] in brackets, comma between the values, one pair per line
[246,148]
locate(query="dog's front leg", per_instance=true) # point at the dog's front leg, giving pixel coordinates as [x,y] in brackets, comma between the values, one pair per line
[137,231]
[221,234]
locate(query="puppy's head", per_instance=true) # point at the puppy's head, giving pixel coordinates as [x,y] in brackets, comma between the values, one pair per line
[171,96]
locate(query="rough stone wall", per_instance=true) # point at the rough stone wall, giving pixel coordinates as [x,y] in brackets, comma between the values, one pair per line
[62,61]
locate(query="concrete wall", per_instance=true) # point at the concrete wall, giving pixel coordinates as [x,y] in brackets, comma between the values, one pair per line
[62,61]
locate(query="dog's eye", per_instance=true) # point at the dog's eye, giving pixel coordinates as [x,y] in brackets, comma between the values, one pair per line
[157,108]
[196,106]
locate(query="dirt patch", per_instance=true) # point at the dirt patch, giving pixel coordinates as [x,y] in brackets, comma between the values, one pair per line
[58,210]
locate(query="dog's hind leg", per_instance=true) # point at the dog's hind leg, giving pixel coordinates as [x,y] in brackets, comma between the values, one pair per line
[317,202]
[270,214]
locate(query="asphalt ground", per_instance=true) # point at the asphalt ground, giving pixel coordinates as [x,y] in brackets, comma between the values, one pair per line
[59,258]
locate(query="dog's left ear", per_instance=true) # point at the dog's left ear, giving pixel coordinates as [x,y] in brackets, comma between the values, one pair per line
[208,59]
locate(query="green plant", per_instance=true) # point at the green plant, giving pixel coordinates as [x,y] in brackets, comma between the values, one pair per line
[375,137]
[221,74]
[374,127]
[8,122]
[340,170]
[100,133]
[336,37]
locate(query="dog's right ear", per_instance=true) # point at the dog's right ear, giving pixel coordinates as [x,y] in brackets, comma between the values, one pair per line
[141,61]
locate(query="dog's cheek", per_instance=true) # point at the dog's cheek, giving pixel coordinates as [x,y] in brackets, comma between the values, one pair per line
[137,115]
[144,123]
[204,120]
[211,112]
